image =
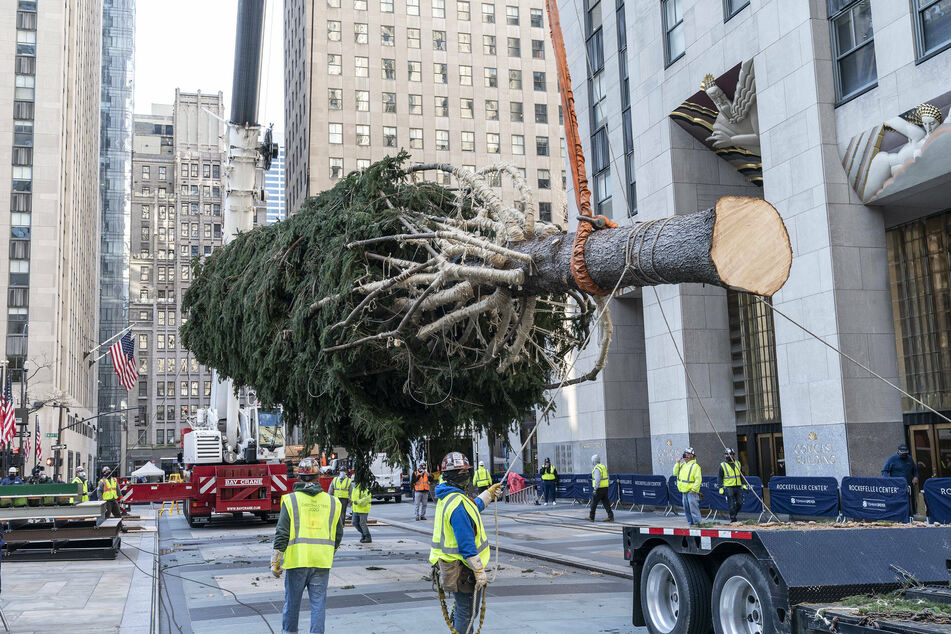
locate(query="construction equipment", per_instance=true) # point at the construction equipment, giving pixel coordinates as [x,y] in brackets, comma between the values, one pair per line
[781,580]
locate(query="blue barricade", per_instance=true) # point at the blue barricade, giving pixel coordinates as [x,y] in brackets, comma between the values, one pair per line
[612,487]
[938,498]
[875,498]
[648,490]
[564,486]
[582,486]
[711,496]
[810,497]
[752,504]
[674,495]
[625,484]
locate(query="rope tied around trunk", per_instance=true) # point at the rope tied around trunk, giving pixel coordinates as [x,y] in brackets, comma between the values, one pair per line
[579,269]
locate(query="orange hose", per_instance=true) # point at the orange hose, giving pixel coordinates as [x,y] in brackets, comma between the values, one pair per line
[579,270]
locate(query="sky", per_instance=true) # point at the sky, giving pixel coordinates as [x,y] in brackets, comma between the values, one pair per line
[189,44]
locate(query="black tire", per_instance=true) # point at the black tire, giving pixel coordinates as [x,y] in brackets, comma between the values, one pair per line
[741,598]
[398,499]
[676,600]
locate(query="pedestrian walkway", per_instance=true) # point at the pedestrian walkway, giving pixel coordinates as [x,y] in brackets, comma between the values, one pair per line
[92,596]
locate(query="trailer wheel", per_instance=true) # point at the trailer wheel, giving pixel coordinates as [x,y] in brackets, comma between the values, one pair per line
[742,603]
[675,593]
[398,498]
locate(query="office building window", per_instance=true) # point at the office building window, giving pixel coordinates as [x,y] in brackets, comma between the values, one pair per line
[544,211]
[465,43]
[537,18]
[386,6]
[333,4]
[336,168]
[334,66]
[544,179]
[538,49]
[541,145]
[468,141]
[462,11]
[491,77]
[674,43]
[361,33]
[335,133]
[511,16]
[389,68]
[360,5]
[412,7]
[515,79]
[465,75]
[442,139]
[415,70]
[488,44]
[541,113]
[932,26]
[442,106]
[753,360]
[335,98]
[145,172]
[492,143]
[416,138]
[488,13]
[412,38]
[516,111]
[333,30]
[853,47]
[514,47]
[415,104]
[361,66]
[439,8]
[363,134]
[388,35]
[441,73]
[465,106]
[363,100]
[439,40]
[389,136]
[732,7]
[538,80]
[491,110]
[518,144]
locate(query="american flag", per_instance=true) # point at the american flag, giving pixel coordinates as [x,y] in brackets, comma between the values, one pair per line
[39,445]
[123,361]
[7,419]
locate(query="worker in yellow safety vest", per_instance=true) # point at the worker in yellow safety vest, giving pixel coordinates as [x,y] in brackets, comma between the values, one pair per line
[362,499]
[308,534]
[599,489]
[549,479]
[82,483]
[687,472]
[108,490]
[341,488]
[482,479]
[730,482]
[460,547]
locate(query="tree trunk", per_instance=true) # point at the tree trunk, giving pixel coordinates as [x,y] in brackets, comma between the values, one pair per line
[740,243]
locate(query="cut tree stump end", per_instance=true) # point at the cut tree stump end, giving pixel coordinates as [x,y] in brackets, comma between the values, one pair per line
[750,247]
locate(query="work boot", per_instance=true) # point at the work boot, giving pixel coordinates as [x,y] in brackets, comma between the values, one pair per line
[608,519]
[590,519]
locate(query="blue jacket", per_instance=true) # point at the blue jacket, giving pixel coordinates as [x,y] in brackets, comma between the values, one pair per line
[7,480]
[462,525]
[898,467]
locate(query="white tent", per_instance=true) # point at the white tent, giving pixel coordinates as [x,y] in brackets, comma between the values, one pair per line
[148,470]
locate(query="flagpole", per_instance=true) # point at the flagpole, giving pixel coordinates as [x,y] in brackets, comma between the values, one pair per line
[112,338]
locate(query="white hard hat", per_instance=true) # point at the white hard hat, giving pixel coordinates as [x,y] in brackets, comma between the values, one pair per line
[690,451]
[595,459]
[12,470]
[481,464]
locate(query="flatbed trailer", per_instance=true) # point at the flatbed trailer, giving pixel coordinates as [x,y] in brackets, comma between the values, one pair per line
[762,581]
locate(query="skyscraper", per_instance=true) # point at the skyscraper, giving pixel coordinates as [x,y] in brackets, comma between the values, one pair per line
[50,94]
[115,188]
[460,82]
[274,186]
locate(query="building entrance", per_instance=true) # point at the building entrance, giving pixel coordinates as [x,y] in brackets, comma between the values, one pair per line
[931,450]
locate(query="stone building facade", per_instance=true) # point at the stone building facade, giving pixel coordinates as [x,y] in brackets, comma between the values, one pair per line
[833,110]
[49,136]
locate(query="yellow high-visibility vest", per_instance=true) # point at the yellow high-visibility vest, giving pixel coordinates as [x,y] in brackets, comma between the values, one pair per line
[599,477]
[110,489]
[361,494]
[548,473]
[731,475]
[85,485]
[482,477]
[445,546]
[688,476]
[313,529]
[342,487]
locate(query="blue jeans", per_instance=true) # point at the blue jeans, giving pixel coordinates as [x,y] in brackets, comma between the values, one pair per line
[295,580]
[692,507]
[360,523]
[548,486]
[462,612]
